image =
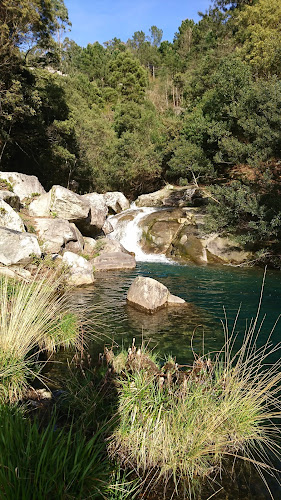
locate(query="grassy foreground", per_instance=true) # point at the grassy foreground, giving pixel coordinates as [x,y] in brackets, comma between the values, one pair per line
[166,422]
[46,454]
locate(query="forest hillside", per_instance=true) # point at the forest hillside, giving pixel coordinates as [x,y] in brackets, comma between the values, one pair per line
[135,115]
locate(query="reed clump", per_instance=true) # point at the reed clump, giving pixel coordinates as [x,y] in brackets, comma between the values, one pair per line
[181,423]
[34,317]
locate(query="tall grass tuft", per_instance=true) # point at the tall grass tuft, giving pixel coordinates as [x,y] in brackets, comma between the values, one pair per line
[181,424]
[34,317]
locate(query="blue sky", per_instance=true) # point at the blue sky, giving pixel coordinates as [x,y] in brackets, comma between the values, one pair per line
[102,20]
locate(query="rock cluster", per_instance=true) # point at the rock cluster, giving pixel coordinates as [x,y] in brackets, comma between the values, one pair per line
[59,223]
[75,228]
[180,234]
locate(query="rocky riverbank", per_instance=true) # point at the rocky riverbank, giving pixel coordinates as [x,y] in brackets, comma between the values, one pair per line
[74,230]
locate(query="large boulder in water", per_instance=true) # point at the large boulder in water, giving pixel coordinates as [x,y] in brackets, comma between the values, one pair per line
[23,185]
[17,247]
[149,295]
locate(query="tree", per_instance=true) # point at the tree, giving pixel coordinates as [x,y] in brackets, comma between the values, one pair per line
[183,38]
[128,77]
[260,36]
[27,23]
[156,35]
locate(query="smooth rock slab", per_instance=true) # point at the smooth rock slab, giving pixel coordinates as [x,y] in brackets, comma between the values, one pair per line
[17,247]
[112,261]
[9,218]
[23,185]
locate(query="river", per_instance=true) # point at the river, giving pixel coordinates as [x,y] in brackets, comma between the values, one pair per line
[212,293]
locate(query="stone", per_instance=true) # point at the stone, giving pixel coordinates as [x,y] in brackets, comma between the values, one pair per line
[23,185]
[159,230]
[147,294]
[174,300]
[6,271]
[116,201]
[80,270]
[172,196]
[77,244]
[21,273]
[111,261]
[89,245]
[92,226]
[225,250]
[108,245]
[15,273]
[17,247]
[9,218]
[61,203]
[55,233]
[107,227]
[96,201]
[11,198]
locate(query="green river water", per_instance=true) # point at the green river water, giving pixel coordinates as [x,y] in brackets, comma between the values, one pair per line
[209,291]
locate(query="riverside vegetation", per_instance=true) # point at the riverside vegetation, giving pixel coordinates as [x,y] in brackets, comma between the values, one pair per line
[41,456]
[132,115]
[132,421]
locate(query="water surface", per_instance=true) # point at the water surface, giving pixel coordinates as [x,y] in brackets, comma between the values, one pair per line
[212,293]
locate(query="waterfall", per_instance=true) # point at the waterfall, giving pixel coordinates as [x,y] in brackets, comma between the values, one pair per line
[128,232]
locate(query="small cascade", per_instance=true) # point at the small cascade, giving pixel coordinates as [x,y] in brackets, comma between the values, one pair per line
[128,232]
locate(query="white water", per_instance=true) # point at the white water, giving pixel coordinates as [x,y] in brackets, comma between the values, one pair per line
[128,232]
